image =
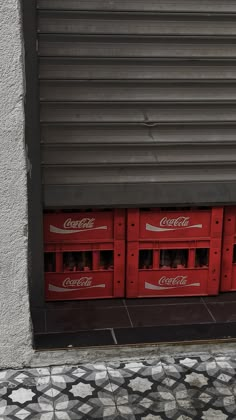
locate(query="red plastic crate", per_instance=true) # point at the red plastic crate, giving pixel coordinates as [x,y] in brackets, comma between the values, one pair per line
[228,267]
[87,261]
[94,226]
[93,281]
[185,249]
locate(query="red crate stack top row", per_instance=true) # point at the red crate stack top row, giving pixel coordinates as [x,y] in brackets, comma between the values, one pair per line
[84,255]
[139,253]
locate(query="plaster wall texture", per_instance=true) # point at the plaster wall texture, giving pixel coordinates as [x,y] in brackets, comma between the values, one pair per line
[15,324]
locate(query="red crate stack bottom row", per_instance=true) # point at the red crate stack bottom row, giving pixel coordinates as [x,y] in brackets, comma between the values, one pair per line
[228,271]
[84,255]
[173,253]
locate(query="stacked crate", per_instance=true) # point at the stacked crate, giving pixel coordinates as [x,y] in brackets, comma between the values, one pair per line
[173,252]
[84,255]
[228,270]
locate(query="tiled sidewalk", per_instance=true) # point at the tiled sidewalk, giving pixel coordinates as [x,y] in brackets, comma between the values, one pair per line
[179,388]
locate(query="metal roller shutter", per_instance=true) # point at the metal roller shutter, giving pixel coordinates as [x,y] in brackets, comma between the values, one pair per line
[138,102]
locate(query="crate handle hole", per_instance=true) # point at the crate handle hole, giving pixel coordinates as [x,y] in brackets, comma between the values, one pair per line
[132,255]
[229,220]
[227,249]
[226,275]
[217,222]
[118,255]
[215,252]
[132,224]
[131,282]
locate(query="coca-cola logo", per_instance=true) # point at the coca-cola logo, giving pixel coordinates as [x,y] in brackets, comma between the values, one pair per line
[165,283]
[177,222]
[82,282]
[72,226]
[173,281]
[85,223]
[73,285]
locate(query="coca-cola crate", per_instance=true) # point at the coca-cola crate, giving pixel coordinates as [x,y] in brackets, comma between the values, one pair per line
[84,254]
[90,226]
[84,271]
[228,266]
[173,253]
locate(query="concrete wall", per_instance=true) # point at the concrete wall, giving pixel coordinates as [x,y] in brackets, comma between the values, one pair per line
[15,324]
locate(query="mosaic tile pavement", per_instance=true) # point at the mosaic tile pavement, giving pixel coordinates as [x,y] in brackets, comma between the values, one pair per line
[178,388]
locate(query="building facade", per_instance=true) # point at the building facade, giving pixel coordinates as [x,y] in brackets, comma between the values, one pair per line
[137,110]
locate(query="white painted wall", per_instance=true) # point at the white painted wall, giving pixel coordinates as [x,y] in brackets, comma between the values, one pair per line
[15,324]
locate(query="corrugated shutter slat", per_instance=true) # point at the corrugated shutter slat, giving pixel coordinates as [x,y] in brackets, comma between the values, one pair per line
[216,6]
[138,102]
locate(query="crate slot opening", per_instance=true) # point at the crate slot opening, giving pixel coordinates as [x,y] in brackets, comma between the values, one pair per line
[173,258]
[106,260]
[77,261]
[146,259]
[234,254]
[202,258]
[88,260]
[49,262]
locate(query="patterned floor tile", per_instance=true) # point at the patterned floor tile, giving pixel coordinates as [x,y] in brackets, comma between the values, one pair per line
[171,410]
[191,372]
[22,394]
[12,378]
[201,387]
[212,414]
[26,416]
[132,382]
[150,416]
[182,365]
[181,410]
[204,384]
[41,371]
[119,413]
[198,374]
[67,369]
[125,412]
[116,414]
[39,416]
[84,391]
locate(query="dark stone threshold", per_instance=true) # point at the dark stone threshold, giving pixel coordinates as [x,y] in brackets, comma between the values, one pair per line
[139,335]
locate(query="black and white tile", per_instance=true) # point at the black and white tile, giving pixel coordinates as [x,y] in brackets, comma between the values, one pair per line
[26,394]
[83,391]
[201,387]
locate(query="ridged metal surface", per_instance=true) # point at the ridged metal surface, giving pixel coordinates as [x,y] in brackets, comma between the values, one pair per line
[146,47]
[126,23]
[128,69]
[137,96]
[141,5]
